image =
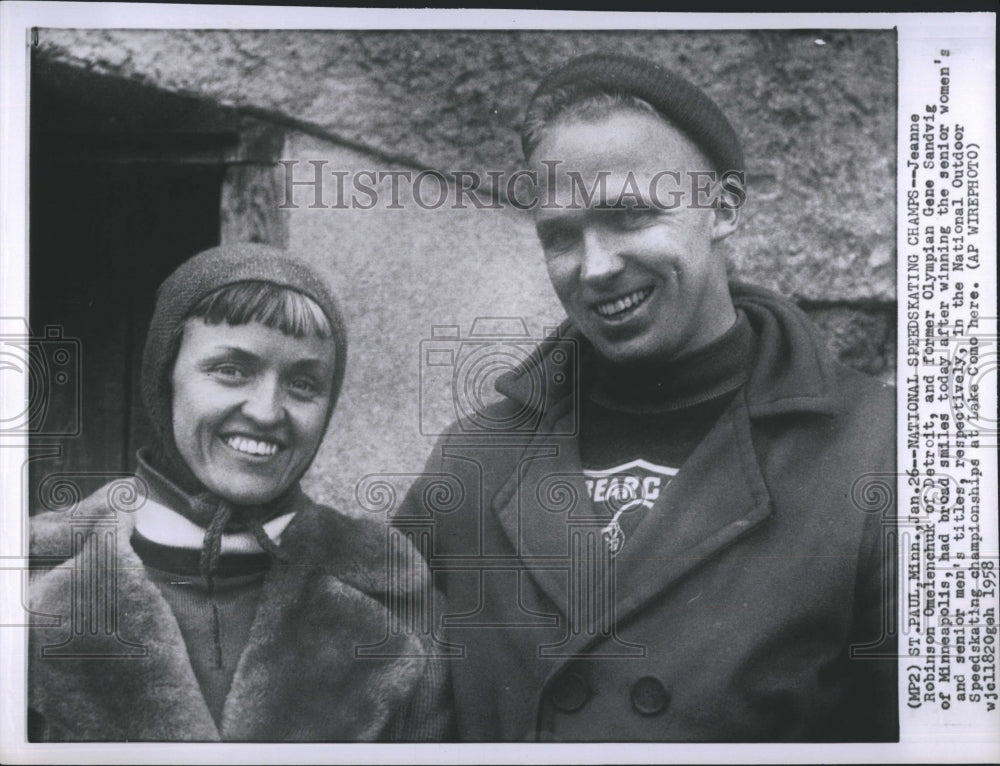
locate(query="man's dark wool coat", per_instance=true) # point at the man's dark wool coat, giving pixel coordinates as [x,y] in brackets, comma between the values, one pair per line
[299,679]
[752,602]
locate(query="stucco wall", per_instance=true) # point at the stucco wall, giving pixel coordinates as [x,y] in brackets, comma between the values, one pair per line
[398,273]
[815,111]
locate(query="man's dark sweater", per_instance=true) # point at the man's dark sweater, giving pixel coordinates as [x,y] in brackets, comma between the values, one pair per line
[640,423]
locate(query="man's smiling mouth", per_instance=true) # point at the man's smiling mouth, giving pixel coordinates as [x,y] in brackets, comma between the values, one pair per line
[619,307]
[250,446]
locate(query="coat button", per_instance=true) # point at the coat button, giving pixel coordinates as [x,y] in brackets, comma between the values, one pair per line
[649,697]
[569,692]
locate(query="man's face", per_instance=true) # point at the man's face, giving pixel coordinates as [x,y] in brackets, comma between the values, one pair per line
[640,284]
[249,406]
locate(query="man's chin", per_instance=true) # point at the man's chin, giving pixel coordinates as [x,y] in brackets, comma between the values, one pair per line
[625,351]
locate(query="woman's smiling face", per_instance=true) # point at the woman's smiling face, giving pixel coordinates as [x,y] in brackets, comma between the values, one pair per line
[249,406]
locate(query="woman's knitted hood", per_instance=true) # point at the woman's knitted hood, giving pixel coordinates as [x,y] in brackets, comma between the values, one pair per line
[196,278]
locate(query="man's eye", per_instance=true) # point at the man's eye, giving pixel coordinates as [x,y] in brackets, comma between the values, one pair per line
[627,217]
[558,239]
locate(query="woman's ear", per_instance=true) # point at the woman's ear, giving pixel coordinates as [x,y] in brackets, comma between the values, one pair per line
[729,203]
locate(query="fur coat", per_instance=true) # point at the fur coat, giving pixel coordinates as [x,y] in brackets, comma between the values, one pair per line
[124,674]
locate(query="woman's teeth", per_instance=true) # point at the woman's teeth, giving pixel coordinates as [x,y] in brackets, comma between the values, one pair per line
[251,446]
[619,305]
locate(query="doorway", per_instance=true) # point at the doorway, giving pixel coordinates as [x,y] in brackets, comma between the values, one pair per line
[125,184]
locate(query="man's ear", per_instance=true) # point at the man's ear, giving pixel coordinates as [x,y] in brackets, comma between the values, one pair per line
[728,206]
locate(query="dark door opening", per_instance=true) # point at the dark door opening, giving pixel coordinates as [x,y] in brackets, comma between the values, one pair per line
[125,184]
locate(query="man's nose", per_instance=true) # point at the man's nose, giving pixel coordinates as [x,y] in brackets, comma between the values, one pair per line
[264,404]
[602,260]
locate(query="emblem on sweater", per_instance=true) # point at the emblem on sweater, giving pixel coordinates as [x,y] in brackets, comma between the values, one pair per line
[623,488]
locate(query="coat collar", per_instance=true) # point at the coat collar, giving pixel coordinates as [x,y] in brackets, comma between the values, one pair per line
[298,679]
[791,372]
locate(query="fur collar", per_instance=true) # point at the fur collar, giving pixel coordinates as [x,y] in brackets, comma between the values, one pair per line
[298,678]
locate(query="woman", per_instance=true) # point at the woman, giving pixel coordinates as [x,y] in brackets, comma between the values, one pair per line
[238,603]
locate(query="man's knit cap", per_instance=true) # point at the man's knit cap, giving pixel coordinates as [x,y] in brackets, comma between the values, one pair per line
[679,101]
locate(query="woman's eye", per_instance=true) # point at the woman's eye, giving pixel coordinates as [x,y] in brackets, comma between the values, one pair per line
[229,373]
[304,387]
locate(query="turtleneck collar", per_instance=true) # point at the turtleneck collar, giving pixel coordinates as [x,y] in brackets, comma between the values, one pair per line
[715,369]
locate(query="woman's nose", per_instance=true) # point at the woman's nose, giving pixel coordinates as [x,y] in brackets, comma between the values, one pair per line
[263,403]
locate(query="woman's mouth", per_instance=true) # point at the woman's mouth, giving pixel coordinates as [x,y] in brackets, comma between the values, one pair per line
[248,446]
[622,306]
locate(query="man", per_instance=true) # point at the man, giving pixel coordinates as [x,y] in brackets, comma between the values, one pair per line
[672,552]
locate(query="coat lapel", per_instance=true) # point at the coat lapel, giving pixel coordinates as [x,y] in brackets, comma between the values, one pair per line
[538,503]
[718,495]
[301,678]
